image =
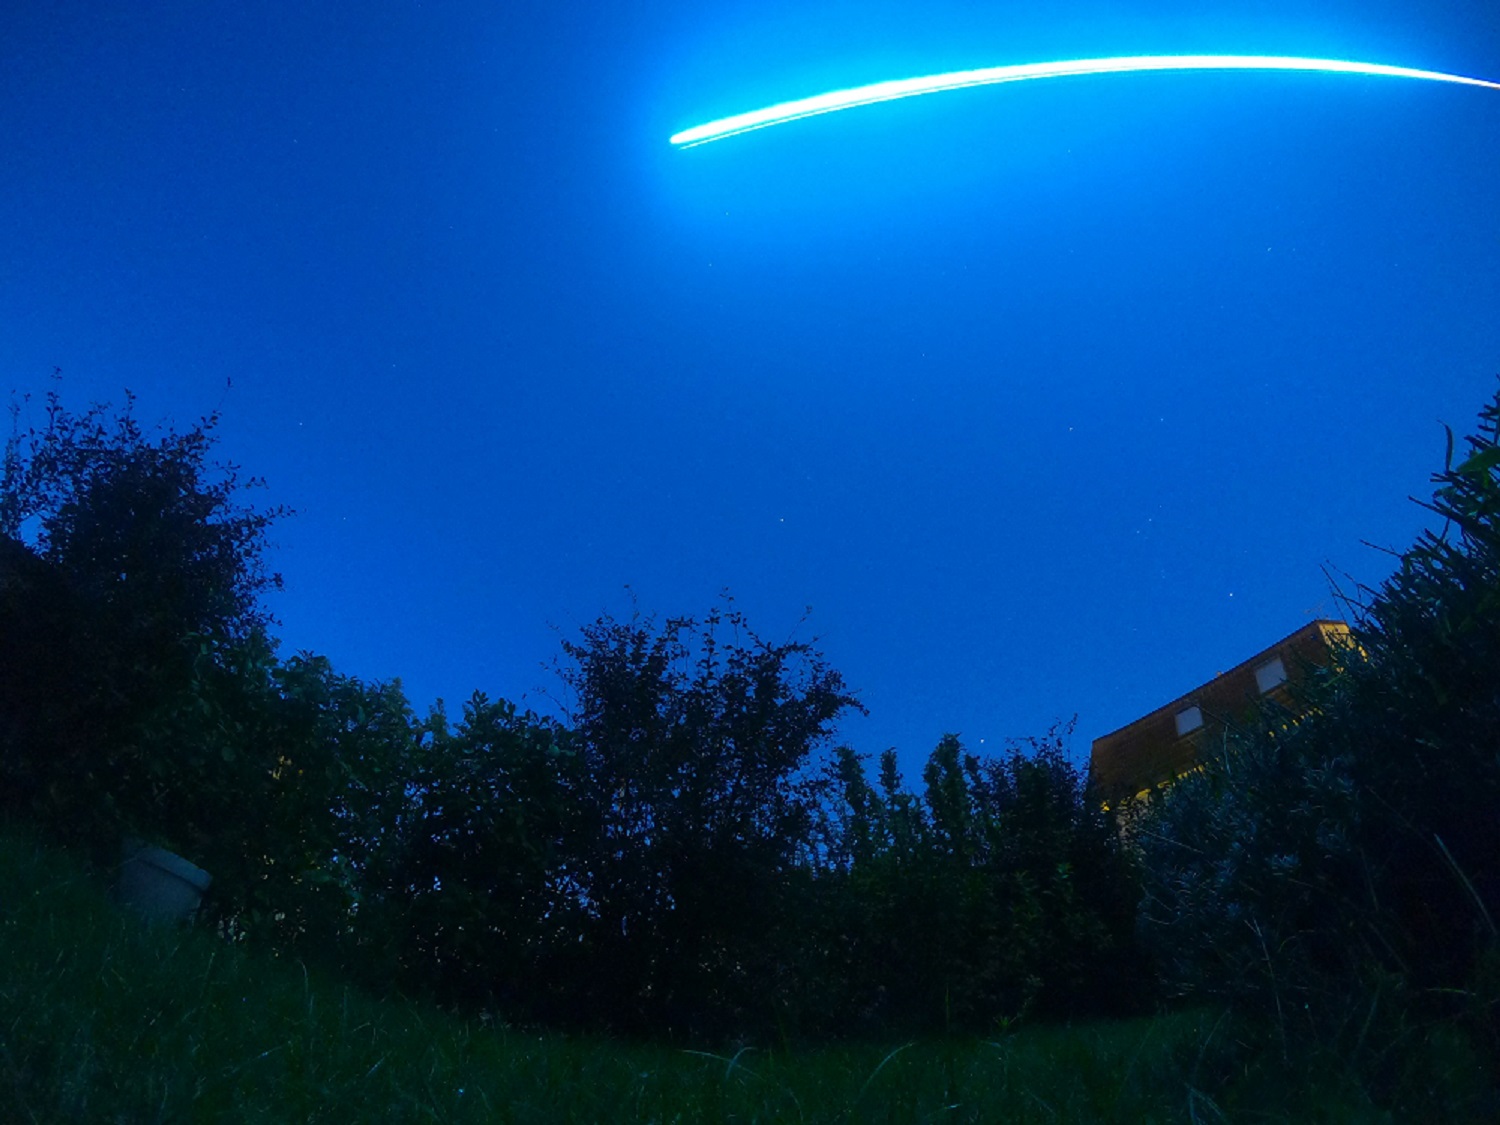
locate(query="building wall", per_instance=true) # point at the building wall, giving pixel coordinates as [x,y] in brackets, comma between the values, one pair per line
[1164,745]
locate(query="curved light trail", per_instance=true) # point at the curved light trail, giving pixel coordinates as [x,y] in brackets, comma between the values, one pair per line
[989,76]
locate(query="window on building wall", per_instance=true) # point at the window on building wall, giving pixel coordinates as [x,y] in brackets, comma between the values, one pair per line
[1269,675]
[1189,719]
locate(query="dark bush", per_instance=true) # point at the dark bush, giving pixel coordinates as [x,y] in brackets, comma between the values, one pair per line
[286,781]
[120,554]
[1337,876]
[1003,892]
[698,803]
[475,889]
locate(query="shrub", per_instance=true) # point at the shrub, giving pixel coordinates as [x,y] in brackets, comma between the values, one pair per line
[285,780]
[1338,876]
[697,805]
[117,553]
[473,888]
[1004,891]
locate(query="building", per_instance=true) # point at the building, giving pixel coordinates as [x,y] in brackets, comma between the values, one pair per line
[1158,748]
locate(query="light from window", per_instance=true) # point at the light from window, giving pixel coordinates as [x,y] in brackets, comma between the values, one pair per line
[1189,719]
[1270,675]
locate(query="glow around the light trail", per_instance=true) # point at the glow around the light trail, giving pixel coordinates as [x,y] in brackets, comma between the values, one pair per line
[989,76]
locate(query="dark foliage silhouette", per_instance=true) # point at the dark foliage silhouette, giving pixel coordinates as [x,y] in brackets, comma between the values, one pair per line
[121,557]
[1337,875]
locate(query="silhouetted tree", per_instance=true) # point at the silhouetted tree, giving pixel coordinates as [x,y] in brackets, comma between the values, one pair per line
[697,807]
[146,558]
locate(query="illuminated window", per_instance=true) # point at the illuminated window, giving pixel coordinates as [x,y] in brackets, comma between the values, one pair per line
[1189,719]
[1270,674]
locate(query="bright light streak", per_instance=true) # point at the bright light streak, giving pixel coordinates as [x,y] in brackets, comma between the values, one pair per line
[989,76]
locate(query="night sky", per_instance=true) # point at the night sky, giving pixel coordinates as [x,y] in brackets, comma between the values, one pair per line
[1049,399]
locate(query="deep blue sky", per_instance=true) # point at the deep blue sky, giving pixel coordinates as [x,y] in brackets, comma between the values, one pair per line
[1048,399]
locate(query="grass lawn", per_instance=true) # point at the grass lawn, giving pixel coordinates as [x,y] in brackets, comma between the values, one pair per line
[103,1019]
